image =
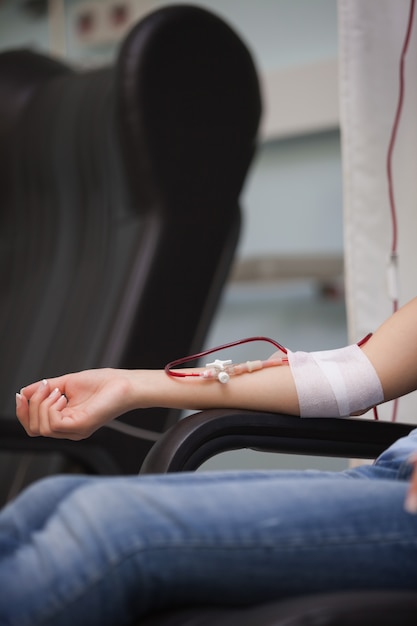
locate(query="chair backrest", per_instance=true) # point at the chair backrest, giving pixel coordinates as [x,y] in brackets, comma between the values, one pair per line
[119,198]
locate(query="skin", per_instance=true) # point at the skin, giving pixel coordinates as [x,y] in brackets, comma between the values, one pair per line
[75,405]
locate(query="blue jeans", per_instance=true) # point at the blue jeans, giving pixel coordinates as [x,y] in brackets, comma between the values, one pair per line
[97,551]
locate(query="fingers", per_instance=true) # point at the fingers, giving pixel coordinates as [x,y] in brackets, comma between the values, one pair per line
[33,388]
[38,408]
[40,394]
[49,413]
[22,410]
[25,411]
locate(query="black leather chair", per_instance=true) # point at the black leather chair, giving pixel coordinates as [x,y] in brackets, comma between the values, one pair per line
[119,214]
[201,436]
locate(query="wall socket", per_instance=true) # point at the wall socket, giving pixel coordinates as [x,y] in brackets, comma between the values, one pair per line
[105,22]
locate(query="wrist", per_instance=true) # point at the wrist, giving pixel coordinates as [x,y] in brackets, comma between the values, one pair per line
[144,388]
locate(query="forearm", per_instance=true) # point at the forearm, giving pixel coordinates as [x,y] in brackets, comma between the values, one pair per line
[392,350]
[74,405]
[270,389]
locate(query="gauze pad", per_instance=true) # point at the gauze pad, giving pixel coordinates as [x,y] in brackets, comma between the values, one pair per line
[335,383]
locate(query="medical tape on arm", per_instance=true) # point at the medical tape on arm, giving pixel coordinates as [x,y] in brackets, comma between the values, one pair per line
[335,383]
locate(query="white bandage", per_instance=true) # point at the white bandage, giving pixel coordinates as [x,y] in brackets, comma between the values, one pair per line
[335,383]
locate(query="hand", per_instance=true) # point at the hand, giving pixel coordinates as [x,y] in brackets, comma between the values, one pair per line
[411,498]
[75,405]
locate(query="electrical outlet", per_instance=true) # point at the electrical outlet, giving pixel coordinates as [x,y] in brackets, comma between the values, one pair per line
[106,22]
[87,23]
[119,18]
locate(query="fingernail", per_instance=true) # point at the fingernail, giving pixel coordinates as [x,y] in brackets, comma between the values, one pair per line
[18,400]
[42,384]
[54,392]
[410,504]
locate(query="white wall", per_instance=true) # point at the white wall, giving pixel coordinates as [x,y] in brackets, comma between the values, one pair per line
[18,29]
[372,34]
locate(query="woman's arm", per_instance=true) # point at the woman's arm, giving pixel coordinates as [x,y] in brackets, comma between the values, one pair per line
[393,352]
[75,405]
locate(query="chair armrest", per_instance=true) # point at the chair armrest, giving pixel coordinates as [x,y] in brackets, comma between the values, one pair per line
[198,437]
[90,453]
[342,608]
